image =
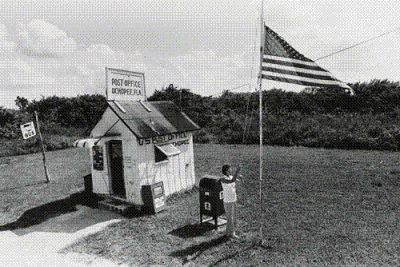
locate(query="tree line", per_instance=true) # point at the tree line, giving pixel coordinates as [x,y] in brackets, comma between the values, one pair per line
[315,117]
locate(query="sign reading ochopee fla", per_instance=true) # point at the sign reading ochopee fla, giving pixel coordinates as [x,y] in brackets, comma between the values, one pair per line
[28,130]
[125,85]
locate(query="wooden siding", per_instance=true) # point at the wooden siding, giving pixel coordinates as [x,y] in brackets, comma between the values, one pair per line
[140,168]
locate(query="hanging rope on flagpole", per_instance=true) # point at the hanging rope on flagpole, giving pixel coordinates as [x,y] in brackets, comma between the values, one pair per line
[251,77]
[245,118]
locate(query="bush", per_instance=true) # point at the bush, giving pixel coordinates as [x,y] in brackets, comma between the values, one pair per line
[202,136]
[79,112]
[6,117]
[10,131]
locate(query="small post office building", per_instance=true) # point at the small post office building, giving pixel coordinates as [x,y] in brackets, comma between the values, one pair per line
[137,144]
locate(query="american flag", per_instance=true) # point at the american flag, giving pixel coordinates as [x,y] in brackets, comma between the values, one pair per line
[281,62]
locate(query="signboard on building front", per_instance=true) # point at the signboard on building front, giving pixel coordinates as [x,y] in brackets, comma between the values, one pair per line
[28,130]
[125,85]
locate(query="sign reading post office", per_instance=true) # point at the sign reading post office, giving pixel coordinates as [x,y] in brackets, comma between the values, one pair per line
[28,130]
[125,85]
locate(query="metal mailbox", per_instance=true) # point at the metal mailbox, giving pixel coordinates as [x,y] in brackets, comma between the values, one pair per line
[211,198]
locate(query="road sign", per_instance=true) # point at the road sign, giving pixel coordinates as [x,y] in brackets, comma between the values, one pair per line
[28,130]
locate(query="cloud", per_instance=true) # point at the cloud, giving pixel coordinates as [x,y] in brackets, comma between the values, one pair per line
[101,49]
[41,39]
[22,74]
[43,60]
[205,72]
[6,46]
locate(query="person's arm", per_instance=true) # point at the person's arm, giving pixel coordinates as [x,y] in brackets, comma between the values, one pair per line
[233,180]
[236,173]
[226,181]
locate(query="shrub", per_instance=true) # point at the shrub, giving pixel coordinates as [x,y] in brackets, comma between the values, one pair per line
[6,116]
[202,137]
[10,131]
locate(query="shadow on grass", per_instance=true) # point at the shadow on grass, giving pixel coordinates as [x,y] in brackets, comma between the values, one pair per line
[67,215]
[195,251]
[50,210]
[252,246]
[192,230]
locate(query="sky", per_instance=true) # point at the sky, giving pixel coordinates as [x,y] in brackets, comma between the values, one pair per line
[62,48]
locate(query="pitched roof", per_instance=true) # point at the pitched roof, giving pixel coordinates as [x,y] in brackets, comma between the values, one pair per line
[148,119]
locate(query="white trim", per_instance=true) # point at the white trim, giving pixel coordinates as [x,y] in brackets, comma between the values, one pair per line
[145,107]
[169,150]
[119,106]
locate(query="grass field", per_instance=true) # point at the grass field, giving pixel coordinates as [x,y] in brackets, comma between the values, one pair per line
[321,208]
[22,179]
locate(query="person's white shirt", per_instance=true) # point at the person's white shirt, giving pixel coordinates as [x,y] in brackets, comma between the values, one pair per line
[229,190]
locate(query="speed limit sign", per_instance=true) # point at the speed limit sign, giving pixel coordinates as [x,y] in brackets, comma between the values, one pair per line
[28,130]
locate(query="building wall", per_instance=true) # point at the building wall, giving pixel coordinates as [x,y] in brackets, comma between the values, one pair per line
[177,173]
[106,126]
[140,167]
[101,179]
[130,161]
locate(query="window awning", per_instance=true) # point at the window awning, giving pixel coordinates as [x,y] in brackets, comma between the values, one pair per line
[85,142]
[169,150]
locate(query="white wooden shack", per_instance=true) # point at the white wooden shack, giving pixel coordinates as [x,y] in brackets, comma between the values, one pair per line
[137,144]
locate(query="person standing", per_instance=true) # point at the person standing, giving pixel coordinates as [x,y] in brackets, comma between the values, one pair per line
[228,182]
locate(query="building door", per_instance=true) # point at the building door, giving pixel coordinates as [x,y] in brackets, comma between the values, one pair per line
[116,168]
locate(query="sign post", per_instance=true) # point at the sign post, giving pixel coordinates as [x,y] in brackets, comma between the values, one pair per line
[41,141]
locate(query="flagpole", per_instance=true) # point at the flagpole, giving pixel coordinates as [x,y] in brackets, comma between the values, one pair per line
[261,120]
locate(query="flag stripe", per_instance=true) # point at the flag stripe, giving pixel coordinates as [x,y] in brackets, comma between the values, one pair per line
[296,69]
[280,79]
[290,60]
[288,63]
[316,82]
[298,72]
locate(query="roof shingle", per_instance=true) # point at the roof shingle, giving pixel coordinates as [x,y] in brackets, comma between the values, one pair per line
[148,119]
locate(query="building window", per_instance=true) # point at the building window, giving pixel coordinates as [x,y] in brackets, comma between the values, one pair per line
[160,156]
[165,151]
